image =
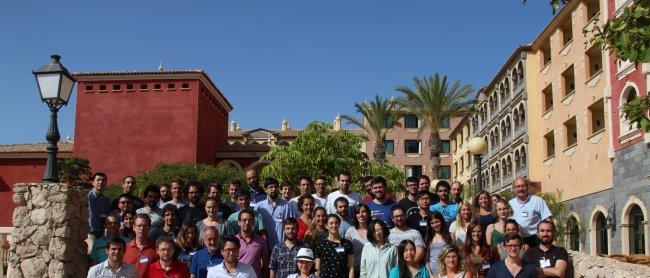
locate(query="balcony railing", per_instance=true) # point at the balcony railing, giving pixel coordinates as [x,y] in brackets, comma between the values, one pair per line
[521,129]
[494,112]
[519,88]
[495,149]
[505,101]
[522,171]
[507,179]
[496,185]
[507,139]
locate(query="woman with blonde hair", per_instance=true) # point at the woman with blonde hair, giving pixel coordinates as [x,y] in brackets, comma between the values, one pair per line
[458,228]
[496,232]
[450,264]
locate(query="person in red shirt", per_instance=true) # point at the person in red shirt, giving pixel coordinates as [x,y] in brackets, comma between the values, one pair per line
[166,266]
[141,252]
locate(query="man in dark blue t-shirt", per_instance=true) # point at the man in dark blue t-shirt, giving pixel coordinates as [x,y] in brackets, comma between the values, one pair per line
[380,206]
[512,266]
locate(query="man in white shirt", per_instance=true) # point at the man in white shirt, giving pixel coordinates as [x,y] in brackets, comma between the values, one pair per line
[321,192]
[402,232]
[305,187]
[231,266]
[113,266]
[344,179]
[528,210]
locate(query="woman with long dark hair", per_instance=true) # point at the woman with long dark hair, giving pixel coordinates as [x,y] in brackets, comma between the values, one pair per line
[482,203]
[407,267]
[188,243]
[437,238]
[378,255]
[127,225]
[478,255]
[317,230]
[306,205]
[358,234]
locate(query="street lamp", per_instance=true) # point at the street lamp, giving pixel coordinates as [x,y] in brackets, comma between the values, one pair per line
[478,147]
[55,86]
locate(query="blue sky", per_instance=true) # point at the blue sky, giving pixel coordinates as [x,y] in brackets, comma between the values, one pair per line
[300,60]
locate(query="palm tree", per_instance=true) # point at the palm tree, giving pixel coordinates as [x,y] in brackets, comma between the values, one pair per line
[379,116]
[434,101]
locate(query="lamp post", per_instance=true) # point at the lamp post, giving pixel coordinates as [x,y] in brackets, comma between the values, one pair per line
[478,147]
[55,86]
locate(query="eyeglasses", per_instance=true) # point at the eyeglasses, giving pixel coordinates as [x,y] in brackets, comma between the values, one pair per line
[513,246]
[230,251]
[451,257]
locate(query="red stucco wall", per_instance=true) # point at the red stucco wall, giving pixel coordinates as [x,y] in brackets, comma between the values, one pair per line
[212,127]
[12,171]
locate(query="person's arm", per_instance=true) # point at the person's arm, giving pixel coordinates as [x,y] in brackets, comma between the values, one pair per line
[488,234]
[318,266]
[558,271]
[272,273]
[362,266]
[419,254]
[265,259]
[351,266]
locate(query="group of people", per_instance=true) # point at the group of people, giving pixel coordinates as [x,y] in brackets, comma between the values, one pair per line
[260,230]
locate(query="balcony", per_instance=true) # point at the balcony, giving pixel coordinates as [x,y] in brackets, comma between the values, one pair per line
[507,179]
[496,185]
[520,130]
[495,149]
[507,139]
[519,88]
[494,113]
[505,101]
[522,171]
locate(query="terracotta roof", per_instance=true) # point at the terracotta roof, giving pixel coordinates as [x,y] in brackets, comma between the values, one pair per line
[244,148]
[97,73]
[285,133]
[64,147]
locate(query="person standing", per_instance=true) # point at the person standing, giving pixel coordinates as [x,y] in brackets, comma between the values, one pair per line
[99,206]
[128,187]
[512,266]
[419,219]
[306,204]
[141,252]
[358,234]
[305,187]
[437,238]
[448,209]
[213,219]
[456,192]
[410,202]
[344,179]
[402,232]
[334,255]
[274,210]
[425,184]
[98,251]
[243,197]
[378,255]
[165,195]
[549,260]
[188,241]
[367,188]
[208,256]
[321,191]
[253,248]
[194,211]
[495,232]
[283,255]
[170,226]
[286,191]
[258,194]
[233,187]
[449,263]
[123,204]
[304,264]
[407,266]
[166,266]
[215,191]
[380,206]
[231,266]
[342,212]
[458,228]
[151,201]
[478,256]
[482,203]
[114,266]
[528,210]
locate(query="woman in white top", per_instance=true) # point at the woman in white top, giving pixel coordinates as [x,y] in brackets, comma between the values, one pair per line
[378,255]
[449,264]
[304,264]
[359,233]
[458,228]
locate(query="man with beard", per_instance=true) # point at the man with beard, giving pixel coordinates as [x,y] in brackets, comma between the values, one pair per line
[253,249]
[344,179]
[231,203]
[549,260]
[208,256]
[141,252]
[425,184]
[445,207]
[456,192]
[367,187]
[128,186]
[402,232]
[165,195]
[253,182]
[380,206]
[113,266]
[305,187]
[166,266]
[243,198]
[231,266]
[410,202]
[283,255]
[273,211]
[151,201]
[321,192]
[194,211]
[98,251]
[177,191]
[528,210]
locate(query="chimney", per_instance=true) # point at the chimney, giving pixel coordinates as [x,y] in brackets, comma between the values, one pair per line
[337,123]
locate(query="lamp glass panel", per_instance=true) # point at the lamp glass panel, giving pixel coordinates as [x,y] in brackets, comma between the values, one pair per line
[48,84]
[66,88]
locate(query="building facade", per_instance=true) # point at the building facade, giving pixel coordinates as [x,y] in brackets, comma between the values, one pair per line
[461,159]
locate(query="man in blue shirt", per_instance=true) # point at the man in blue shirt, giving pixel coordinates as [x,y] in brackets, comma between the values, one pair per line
[512,266]
[253,182]
[274,210]
[208,256]
[445,207]
[99,206]
[380,207]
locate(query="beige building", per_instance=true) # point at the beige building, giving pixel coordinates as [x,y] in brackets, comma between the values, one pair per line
[461,159]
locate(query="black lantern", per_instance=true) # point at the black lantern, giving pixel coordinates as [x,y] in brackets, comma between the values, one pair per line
[55,85]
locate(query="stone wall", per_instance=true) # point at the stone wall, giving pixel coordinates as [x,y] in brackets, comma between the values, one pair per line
[50,227]
[585,265]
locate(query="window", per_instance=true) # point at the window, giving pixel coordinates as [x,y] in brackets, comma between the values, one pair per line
[157,87]
[571,133]
[102,88]
[593,9]
[116,88]
[390,146]
[546,53]
[596,117]
[628,95]
[601,234]
[171,87]
[89,88]
[144,87]
[411,121]
[129,87]
[549,140]
[637,233]
[594,60]
[568,78]
[574,234]
[445,146]
[548,97]
[445,123]
[413,170]
[389,122]
[411,146]
[444,172]
[622,65]
[185,86]
[567,32]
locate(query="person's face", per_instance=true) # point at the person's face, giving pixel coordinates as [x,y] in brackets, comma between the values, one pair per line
[252,179]
[436,225]
[211,240]
[477,233]
[170,218]
[513,247]
[165,251]
[211,208]
[342,208]
[344,183]
[112,225]
[412,187]
[320,218]
[124,204]
[362,215]
[379,234]
[367,186]
[451,261]
[308,207]
[483,201]
[398,218]
[502,210]
[494,199]
[286,192]
[232,188]
[246,222]
[230,252]
[128,221]
[333,225]
[424,201]
[214,193]
[409,253]
[304,186]
[511,228]
[423,185]
[456,190]
[99,183]
[272,191]
[545,233]
[521,189]
[243,202]
[190,235]
[465,212]
[141,228]
[320,185]
[115,252]
[193,195]
[151,199]
[164,192]
[304,266]
[378,190]
[290,231]
[128,185]
[443,193]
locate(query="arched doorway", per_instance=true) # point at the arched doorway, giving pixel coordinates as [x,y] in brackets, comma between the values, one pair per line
[602,240]
[573,231]
[637,230]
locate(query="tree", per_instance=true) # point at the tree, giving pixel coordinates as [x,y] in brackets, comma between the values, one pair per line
[380,115]
[435,101]
[75,171]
